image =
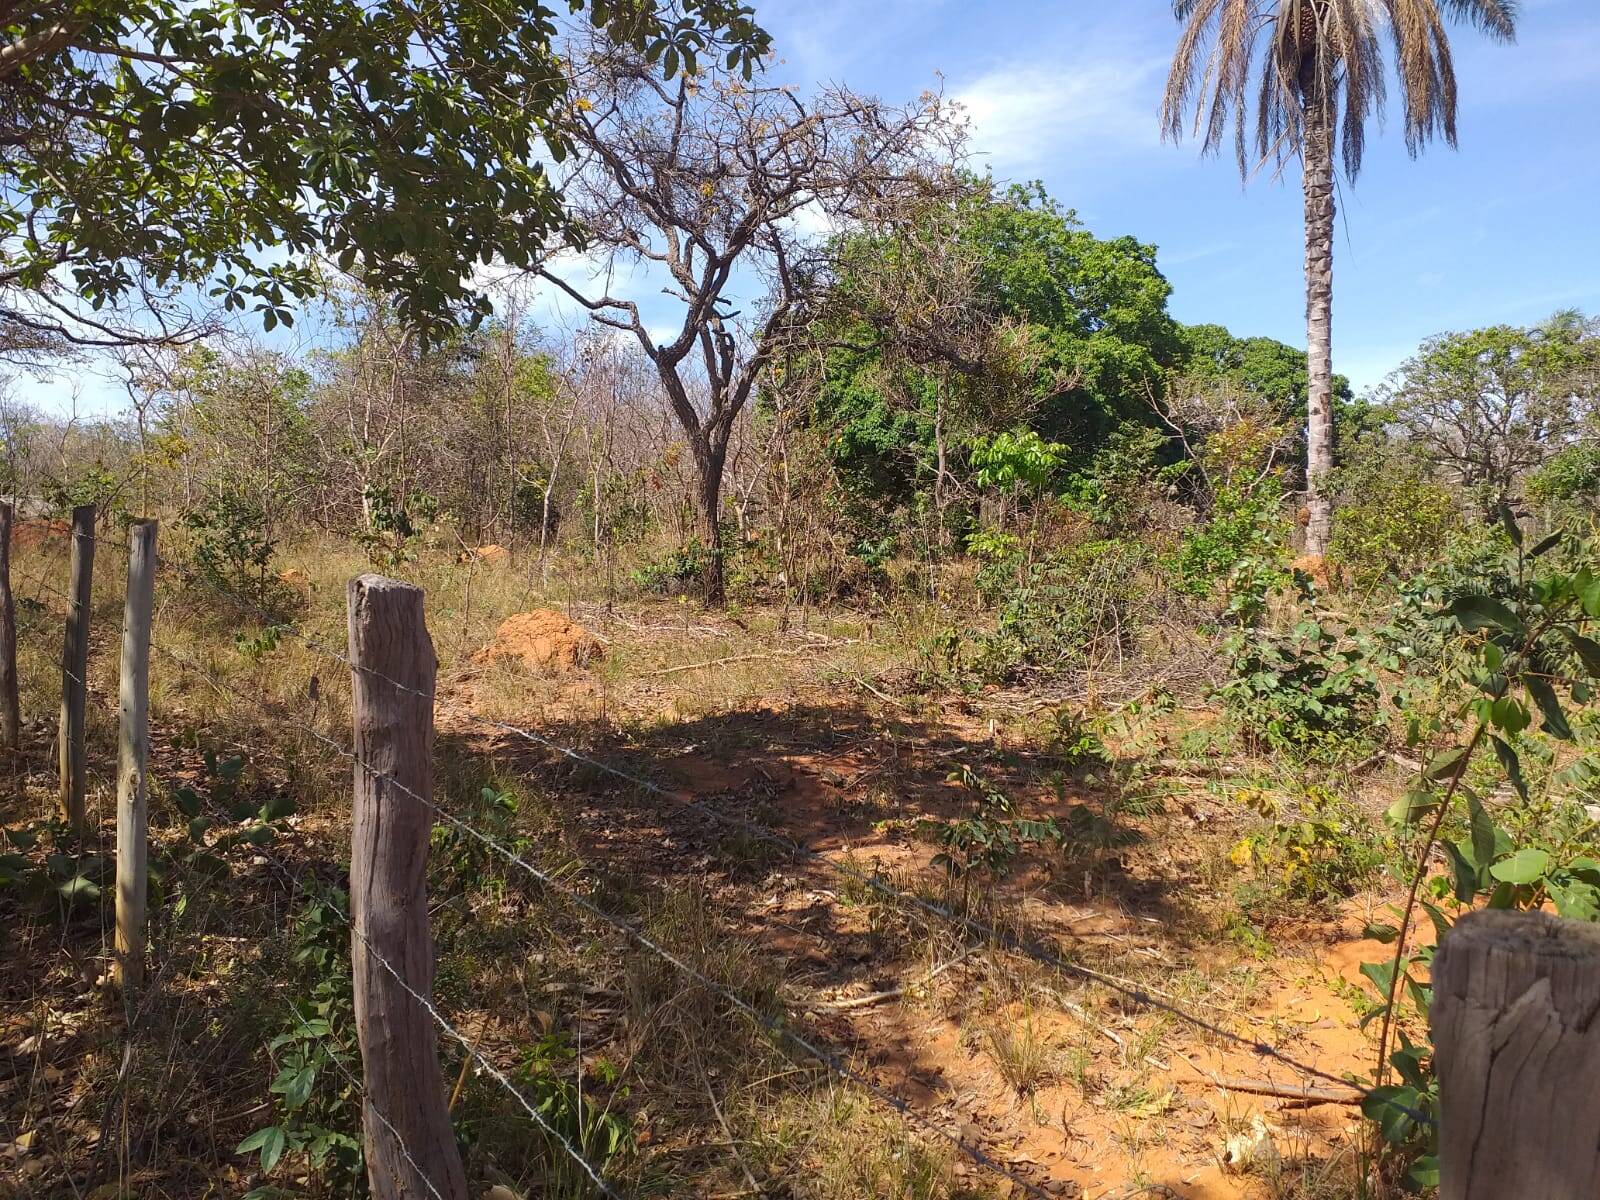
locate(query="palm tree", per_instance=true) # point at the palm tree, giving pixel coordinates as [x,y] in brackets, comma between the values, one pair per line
[1305,66]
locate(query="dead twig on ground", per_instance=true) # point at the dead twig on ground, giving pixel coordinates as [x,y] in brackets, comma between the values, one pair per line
[854,1002]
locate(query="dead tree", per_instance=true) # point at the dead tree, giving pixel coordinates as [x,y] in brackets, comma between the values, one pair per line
[708,186]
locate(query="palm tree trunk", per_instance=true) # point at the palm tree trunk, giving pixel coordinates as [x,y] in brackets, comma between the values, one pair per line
[1318,180]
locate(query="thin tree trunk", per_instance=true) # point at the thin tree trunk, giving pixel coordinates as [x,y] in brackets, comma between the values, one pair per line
[544,526]
[10,705]
[708,466]
[1319,217]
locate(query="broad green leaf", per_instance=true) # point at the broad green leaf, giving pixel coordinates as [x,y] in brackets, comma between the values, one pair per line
[1464,872]
[1577,901]
[280,806]
[296,1090]
[1511,765]
[1391,1107]
[1589,595]
[1381,974]
[79,888]
[1483,612]
[1510,714]
[1448,764]
[271,1143]
[1424,1172]
[1587,650]
[1407,1062]
[1410,808]
[1485,833]
[1555,721]
[1586,869]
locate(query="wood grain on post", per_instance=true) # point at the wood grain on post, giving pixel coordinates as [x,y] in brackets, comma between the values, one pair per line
[1516,1029]
[75,672]
[133,754]
[388,900]
[10,704]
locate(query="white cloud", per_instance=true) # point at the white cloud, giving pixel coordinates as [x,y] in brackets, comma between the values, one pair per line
[1028,114]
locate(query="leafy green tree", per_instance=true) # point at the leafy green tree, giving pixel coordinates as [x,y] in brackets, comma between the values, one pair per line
[155,144]
[1303,67]
[1087,317]
[1262,366]
[1489,406]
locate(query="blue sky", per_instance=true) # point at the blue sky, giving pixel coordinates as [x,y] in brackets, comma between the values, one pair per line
[1506,229]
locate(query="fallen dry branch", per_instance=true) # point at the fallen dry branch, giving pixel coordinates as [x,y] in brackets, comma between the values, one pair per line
[855,1002]
[738,658]
[723,662]
[1285,1091]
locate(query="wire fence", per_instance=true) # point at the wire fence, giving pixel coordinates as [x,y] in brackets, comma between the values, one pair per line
[777,1025]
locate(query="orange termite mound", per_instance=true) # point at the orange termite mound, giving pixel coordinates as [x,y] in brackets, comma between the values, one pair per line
[542,640]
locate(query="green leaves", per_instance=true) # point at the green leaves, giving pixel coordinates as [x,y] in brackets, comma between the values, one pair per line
[294,1084]
[271,1143]
[1392,1109]
[221,144]
[1523,867]
[1448,765]
[1476,612]
[1555,721]
[1587,650]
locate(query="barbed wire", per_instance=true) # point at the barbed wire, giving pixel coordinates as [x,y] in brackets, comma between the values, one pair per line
[433,1012]
[1012,942]
[1026,947]
[298,886]
[366,1098]
[628,929]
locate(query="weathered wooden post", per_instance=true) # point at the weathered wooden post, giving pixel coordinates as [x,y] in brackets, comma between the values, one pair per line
[389,646]
[1516,1030]
[10,705]
[133,753]
[75,671]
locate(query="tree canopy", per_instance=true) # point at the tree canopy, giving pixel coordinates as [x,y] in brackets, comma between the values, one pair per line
[223,143]
[1090,337]
[1262,366]
[1490,405]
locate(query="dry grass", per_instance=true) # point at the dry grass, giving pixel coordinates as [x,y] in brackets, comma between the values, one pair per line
[709,1102]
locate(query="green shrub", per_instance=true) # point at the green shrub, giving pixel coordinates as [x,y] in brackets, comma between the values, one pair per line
[1245,527]
[983,848]
[1569,484]
[1528,650]
[1391,521]
[675,572]
[232,553]
[1317,850]
[394,524]
[1071,605]
[1308,691]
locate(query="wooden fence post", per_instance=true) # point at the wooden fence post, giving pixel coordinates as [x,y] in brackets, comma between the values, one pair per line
[10,705]
[388,900]
[1516,1030]
[133,753]
[75,671]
